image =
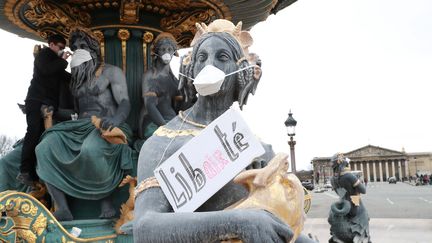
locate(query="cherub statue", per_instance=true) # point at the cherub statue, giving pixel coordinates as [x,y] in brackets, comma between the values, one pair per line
[348,218]
[74,158]
[154,217]
[160,87]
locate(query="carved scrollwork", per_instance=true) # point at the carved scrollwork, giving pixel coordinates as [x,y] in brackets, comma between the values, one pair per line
[7,233]
[22,211]
[182,25]
[129,11]
[27,220]
[176,5]
[45,17]
[40,224]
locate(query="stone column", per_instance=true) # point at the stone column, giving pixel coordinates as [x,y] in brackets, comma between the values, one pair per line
[387,171]
[393,168]
[361,168]
[355,165]
[368,171]
[400,170]
[406,169]
[374,171]
[380,171]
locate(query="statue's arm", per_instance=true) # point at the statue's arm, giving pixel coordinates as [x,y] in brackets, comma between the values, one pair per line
[151,101]
[155,221]
[117,80]
[360,187]
[245,224]
[152,110]
[356,183]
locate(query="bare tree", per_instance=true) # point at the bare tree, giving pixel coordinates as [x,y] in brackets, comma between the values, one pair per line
[6,144]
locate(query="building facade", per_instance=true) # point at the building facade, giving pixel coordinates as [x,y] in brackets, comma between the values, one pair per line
[378,164]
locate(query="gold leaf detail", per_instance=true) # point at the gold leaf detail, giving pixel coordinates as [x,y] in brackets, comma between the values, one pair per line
[26,235]
[40,224]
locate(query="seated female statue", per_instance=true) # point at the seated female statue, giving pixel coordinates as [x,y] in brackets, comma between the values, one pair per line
[154,218]
[159,87]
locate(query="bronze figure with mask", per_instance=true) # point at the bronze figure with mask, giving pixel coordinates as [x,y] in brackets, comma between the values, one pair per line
[222,51]
[159,87]
[75,159]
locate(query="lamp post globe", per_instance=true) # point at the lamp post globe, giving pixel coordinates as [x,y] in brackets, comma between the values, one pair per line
[290,124]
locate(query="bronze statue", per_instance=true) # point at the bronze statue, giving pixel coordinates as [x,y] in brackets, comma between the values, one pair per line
[160,87]
[75,159]
[223,51]
[348,218]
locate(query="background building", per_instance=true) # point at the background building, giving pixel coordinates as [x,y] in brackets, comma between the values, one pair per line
[378,164]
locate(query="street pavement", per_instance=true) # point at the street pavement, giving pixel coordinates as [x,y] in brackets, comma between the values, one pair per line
[400,213]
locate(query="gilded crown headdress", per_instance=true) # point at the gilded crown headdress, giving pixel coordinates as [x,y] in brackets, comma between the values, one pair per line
[222,25]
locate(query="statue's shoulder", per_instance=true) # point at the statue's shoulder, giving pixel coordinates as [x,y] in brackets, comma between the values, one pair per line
[111,68]
[349,178]
[176,130]
[113,74]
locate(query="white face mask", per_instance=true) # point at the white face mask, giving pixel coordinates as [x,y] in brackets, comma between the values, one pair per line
[80,56]
[166,58]
[210,79]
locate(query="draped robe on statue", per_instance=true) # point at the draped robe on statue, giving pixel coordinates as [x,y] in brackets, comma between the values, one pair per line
[73,157]
[9,169]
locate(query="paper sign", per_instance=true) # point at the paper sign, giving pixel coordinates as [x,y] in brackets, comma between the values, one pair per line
[207,162]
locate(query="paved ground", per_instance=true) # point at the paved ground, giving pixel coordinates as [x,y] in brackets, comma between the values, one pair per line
[399,213]
[383,200]
[381,230]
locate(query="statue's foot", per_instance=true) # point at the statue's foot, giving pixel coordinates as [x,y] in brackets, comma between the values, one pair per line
[63,215]
[107,210]
[108,214]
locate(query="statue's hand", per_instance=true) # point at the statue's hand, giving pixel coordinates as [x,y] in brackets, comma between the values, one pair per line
[257,72]
[108,123]
[46,109]
[262,226]
[257,164]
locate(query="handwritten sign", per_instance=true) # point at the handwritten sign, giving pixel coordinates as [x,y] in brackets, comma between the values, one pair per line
[207,162]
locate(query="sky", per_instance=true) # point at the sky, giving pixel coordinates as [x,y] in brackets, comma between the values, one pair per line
[352,72]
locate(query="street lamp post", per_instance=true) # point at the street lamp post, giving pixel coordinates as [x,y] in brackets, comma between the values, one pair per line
[290,124]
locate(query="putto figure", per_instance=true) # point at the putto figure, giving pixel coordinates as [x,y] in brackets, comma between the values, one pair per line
[75,159]
[213,52]
[348,218]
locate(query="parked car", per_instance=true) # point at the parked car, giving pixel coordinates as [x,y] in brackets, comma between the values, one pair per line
[308,185]
[392,180]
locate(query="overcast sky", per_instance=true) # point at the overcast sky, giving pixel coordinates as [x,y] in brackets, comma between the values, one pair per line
[352,72]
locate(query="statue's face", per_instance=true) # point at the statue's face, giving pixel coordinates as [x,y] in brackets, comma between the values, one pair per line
[165,49]
[81,43]
[165,46]
[217,52]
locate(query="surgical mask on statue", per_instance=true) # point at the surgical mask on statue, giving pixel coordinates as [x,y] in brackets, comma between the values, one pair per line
[166,58]
[79,57]
[60,53]
[210,79]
